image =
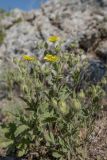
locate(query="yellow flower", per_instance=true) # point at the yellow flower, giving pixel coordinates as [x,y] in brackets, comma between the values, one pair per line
[28,58]
[51,58]
[53,39]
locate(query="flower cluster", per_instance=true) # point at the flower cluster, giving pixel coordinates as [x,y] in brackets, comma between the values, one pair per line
[48,57]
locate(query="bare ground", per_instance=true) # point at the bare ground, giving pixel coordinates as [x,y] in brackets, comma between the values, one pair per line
[98,139]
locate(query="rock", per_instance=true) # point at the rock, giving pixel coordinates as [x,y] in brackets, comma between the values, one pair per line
[29,16]
[91,74]
[87,39]
[3,90]
[23,39]
[17,14]
[103,3]
[101,50]
[7,22]
[103,30]
[45,28]
[65,19]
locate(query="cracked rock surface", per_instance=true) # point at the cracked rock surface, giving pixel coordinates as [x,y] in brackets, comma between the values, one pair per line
[83,20]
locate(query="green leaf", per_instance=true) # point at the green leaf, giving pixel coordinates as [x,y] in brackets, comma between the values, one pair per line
[61,142]
[46,45]
[21,153]
[56,155]
[52,137]
[21,129]
[49,137]
[5,144]
[49,119]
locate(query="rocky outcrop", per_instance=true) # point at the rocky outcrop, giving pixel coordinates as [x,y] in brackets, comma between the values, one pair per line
[79,19]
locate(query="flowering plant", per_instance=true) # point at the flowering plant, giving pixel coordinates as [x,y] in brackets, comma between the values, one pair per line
[57,119]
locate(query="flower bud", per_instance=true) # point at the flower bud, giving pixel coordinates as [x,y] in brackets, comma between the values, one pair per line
[76,104]
[54,102]
[81,94]
[63,107]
